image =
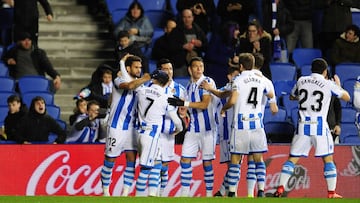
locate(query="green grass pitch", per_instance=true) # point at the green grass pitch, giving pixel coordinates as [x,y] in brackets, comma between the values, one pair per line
[97,199]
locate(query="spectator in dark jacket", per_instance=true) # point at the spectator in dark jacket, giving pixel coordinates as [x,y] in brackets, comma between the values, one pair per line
[347,47]
[161,45]
[25,59]
[127,46]
[26,17]
[15,114]
[187,40]
[36,125]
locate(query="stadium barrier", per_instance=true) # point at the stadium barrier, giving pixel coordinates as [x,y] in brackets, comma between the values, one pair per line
[75,169]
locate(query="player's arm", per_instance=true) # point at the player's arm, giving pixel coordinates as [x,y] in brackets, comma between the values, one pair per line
[232,100]
[177,121]
[345,94]
[208,87]
[135,83]
[203,104]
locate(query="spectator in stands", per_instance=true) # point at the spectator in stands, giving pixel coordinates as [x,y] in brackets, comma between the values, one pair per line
[347,47]
[256,40]
[16,112]
[26,17]
[236,11]
[137,24]
[36,125]
[6,3]
[80,109]
[203,11]
[301,11]
[336,17]
[87,127]
[100,86]
[188,41]
[26,59]
[282,24]
[127,46]
[161,46]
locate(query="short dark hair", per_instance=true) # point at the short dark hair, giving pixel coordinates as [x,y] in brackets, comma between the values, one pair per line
[246,60]
[259,60]
[354,28]
[196,58]
[13,98]
[318,65]
[123,34]
[161,62]
[129,61]
[92,102]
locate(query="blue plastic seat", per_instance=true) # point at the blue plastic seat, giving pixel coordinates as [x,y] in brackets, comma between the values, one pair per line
[62,123]
[28,96]
[117,15]
[348,85]
[348,115]
[3,113]
[113,5]
[279,131]
[289,104]
[4,71]
[53,111]
[347,129]
[281,115]
[295,116]
[33,83]
[7,84]
[283,87]
[303,56]
[356,18]
[153,4]
[4,96]
[158,18]
[282,71]
[305,70]
[347,71]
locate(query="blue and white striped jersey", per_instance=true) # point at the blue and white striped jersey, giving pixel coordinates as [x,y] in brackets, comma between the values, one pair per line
[175,89]
[87,134]
[200,120]
[314,94]
[248,109]
[123,105]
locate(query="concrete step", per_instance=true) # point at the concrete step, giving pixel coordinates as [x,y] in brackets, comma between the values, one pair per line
[91,63]
[72,43]
[75,71]
[84,54]
[73,27]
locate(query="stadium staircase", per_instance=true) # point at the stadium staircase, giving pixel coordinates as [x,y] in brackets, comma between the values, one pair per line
[76,43]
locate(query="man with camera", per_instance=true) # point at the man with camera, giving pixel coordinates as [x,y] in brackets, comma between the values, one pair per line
[87,126]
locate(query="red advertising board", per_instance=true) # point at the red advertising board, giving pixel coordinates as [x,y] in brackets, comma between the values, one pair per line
[75,170]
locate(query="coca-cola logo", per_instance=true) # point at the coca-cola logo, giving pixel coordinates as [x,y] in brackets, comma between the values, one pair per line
[85,180]
[353,168]
[299,179]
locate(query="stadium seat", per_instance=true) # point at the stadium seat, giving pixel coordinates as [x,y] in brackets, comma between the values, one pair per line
[7,84]
[33,83]
[3,113]
[152,66]
[62,123]
[3,97]
[281,115]
[356,18]
[289,104]
[348,85]
[282,71]
[283,87]
[352,140]
[303,56]
[348,115]
[305,70]
[182,80]
[347,129]
[117,15]
[4,71]
[113,5]
[347,71]
[28,96]
[157,33]
[153,5]
[158,18]
[53,111]
[279,131]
